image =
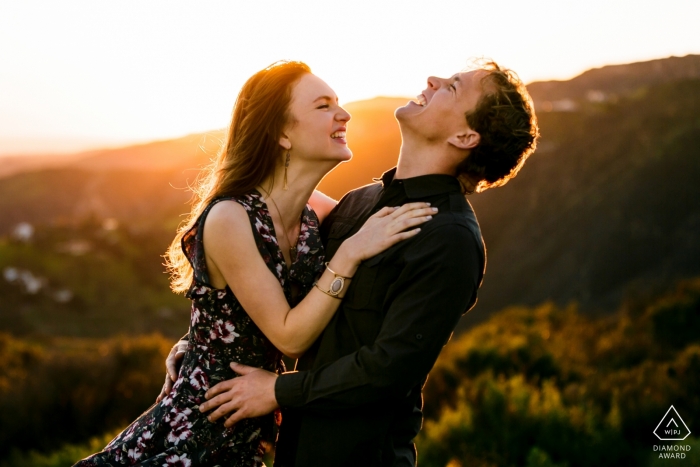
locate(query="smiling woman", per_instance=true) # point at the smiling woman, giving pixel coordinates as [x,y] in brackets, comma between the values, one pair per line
[250,259]
[251,152]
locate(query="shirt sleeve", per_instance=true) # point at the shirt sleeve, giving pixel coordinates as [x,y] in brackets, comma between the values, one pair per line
[442,272]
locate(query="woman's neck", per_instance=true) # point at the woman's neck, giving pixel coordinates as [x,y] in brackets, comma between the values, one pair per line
[301,182]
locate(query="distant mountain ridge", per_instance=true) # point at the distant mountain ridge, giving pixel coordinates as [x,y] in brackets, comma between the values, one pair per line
[615,81]
[598,85]
[187,151]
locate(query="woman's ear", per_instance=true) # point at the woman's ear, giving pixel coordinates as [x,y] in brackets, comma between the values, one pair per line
[466,139]
[285,143]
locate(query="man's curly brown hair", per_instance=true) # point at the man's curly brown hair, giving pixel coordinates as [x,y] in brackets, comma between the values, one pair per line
[505,119]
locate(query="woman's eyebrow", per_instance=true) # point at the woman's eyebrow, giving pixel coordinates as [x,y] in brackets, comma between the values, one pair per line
[327,98]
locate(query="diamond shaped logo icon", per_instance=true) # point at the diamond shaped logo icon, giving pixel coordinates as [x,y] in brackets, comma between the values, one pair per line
[672,427]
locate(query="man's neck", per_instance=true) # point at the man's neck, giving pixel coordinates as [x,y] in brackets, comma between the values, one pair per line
[416,160]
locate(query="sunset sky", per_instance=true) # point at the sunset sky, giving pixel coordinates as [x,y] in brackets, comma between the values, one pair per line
[83,74]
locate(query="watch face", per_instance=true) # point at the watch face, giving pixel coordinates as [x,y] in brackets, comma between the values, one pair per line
[337,286]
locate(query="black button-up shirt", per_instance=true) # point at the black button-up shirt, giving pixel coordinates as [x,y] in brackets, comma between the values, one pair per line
[355,398]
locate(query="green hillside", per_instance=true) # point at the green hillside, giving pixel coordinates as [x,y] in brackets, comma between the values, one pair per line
[608,206]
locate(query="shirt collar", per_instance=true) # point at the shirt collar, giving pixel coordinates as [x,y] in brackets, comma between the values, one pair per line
[423,185]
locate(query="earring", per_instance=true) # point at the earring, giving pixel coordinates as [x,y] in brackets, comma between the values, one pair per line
[286,166]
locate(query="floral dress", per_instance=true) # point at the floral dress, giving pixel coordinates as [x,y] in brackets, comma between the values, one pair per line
[173,432]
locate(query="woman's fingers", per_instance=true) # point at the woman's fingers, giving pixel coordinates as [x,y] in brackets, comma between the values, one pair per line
[394,239]
[381,230]
[411,218]
[404,235]
[416,212]
[408,207]
[407,223]
[383,212]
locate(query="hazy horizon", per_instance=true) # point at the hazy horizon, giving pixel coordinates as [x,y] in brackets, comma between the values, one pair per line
[80,75]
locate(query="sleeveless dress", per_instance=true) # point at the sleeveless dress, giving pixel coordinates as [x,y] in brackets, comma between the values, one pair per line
[173,432]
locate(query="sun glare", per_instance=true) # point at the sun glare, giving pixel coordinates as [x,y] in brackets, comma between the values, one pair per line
[78,74]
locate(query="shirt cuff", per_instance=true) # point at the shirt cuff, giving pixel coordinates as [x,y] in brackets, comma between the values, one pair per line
[288,389]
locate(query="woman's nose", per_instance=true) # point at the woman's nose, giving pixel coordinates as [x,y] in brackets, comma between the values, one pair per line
[343,115]
[434,82]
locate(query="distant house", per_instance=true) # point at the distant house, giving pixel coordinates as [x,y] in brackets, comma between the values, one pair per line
[24,231]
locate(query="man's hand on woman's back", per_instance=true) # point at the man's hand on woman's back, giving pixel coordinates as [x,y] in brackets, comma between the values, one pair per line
[172,366]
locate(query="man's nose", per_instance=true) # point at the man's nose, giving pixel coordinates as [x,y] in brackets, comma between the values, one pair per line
[434,82]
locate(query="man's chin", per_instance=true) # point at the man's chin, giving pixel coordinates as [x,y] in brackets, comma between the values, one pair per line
[402,112]
[411,108]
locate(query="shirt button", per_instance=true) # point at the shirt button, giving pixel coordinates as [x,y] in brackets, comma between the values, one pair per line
[419,336]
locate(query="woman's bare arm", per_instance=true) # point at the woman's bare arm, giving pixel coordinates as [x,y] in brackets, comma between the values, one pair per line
[230,248]
[322,204]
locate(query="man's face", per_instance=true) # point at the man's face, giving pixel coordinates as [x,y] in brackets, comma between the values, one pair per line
[439,111]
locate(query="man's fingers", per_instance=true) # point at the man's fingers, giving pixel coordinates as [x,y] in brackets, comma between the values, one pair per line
[242,369]
[236,417]
[211,403]
[223,410]
[171,369]
[168,385]
[219,388]
[165,390]
[217,395]
[175,355]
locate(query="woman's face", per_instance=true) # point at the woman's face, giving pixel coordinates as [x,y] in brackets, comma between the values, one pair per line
[317,129]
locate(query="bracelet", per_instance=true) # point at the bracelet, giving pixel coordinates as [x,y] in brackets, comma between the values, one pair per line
[337,284]
[329,292]
[335,273]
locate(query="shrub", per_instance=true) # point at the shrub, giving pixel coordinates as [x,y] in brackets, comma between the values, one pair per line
[548,386]
[68,390]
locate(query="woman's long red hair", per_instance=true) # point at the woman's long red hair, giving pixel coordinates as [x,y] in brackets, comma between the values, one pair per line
[249,157]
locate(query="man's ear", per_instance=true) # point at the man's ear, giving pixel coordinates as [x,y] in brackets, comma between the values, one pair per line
[284,142]
[466,139]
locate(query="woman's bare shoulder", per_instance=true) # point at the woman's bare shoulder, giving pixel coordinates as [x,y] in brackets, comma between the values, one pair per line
[226,219]
[322,204]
